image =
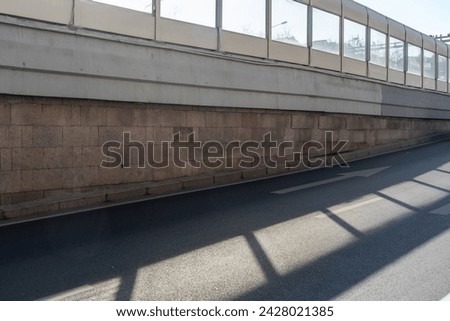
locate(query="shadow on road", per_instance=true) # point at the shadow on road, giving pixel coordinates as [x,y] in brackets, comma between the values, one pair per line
[51,256]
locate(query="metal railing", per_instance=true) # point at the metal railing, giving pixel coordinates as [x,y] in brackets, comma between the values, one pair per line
[86,14]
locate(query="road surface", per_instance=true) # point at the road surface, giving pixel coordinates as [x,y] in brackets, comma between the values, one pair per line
[379,230]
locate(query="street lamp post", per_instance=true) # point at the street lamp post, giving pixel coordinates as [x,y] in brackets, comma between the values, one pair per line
[279,24]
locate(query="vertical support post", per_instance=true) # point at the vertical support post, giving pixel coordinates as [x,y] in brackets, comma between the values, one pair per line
[405,56]
[422,65]
[448,69]
[368,42]
[157,15]
[219,23]
[72,14]
[436,65]
[268,26]
[341,37]
[406,60]
[309,32]
[388,50]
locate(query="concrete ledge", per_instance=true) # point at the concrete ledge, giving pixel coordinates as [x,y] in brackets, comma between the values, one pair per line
[82,202]
[254,173]
[164,187]
[226,178]
[23,211]
[350,156]
[30,209]
[197,182]
[277,170]
[116,196]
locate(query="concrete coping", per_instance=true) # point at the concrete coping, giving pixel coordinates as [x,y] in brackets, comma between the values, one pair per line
[148,190]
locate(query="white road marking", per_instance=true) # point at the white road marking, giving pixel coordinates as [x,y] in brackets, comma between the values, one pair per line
[444,210]
[344,176]
[349,207]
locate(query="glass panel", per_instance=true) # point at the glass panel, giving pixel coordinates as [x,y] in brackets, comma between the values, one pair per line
[396,54]
[442,68]
[377,48]
[202,12]
[289,22]
[414,60]
[138,5]
[354,40]
[325,31]
[429,64]
[245,16]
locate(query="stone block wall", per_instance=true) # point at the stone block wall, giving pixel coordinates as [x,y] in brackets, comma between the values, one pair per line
[53,146]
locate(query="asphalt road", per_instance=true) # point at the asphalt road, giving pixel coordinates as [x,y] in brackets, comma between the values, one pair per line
[381,231]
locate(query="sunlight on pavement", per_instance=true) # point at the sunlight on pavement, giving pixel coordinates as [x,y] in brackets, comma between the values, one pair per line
[245,263]
[437,179]
[103,291]
[407,194]
[222,270]
[297,242]
[418,274]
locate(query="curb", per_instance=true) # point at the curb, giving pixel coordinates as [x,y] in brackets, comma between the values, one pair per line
[89,200]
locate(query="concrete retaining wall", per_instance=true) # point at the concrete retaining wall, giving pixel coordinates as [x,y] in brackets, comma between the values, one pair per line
[52,146]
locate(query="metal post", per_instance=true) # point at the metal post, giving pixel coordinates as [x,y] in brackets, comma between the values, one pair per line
[157,15]
[388,51]
[72,14]
[219,23]
[405,56]
[406,53]
[448,69]
[436,65]
[422,65]
[268,26]
[309,32]
[368,43]
[341,37]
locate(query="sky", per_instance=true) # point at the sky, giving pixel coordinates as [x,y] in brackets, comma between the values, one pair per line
[431,17]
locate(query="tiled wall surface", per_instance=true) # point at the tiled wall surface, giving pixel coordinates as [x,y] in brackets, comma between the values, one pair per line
[51,146]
